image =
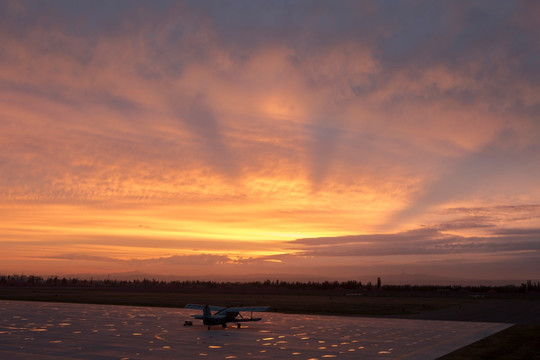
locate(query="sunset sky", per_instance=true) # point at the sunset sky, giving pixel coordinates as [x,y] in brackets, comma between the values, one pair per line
[287,138]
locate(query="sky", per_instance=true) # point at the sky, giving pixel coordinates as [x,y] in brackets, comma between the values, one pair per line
[330,139]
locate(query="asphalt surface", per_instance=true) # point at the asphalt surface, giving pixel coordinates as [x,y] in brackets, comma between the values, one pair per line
[45,331]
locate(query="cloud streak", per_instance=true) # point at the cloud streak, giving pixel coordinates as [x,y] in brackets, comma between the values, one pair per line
[419,242]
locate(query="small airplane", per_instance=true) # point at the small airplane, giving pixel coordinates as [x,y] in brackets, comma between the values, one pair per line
[223,315]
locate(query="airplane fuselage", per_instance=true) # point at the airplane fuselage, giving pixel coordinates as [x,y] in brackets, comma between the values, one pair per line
[218,319]
[224,315]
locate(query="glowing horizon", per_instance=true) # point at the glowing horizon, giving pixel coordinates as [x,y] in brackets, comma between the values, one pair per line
[342,138]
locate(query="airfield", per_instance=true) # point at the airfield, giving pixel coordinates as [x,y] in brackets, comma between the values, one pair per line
[47,331]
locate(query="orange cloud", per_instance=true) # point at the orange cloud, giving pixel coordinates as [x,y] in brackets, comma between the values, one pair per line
[179,132]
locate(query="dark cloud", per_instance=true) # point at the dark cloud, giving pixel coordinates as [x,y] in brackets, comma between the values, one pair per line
[491,215]
[425,241]
[413,33]
[405,35]
[449,33]
[209,260]
[200,259]
[526,233]
[304,26]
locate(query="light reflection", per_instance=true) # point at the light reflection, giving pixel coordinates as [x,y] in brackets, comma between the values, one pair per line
[278,338]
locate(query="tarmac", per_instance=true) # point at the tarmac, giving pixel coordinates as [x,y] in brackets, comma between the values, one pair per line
[45,331]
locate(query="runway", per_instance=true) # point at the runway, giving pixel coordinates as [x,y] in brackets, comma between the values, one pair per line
[44,331]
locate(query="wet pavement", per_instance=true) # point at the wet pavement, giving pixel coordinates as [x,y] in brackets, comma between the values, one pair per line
[46,331]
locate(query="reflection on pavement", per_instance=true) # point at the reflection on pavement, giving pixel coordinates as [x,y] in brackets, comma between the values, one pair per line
[45,330]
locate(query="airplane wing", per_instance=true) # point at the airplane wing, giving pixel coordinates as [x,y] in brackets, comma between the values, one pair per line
[247,320]
[201,307]
[247,308]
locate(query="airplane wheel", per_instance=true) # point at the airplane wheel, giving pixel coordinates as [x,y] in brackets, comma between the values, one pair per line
[238,326]
[208,327]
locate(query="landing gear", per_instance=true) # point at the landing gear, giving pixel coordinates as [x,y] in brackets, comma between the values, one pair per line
[238,325]
[224,325]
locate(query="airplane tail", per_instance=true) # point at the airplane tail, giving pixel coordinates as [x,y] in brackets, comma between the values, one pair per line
[206,312]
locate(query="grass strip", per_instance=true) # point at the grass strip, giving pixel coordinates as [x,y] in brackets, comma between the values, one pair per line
[515,343]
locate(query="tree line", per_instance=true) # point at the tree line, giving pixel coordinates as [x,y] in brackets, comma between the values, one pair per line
[33,280]
[352,286]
